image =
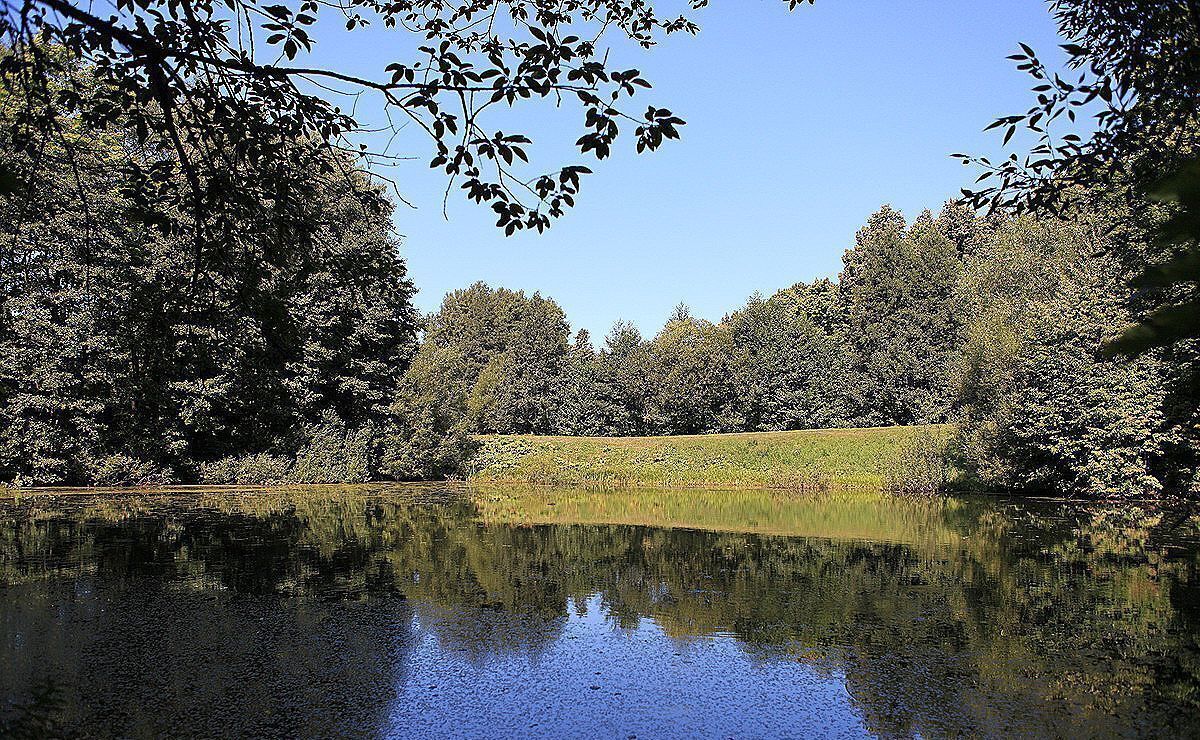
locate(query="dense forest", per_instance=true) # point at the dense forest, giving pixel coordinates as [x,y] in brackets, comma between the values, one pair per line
[129,353]
[233,307]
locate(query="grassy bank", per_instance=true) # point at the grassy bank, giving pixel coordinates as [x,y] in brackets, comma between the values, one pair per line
[896,457]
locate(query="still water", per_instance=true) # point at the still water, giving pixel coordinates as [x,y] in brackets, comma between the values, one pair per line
[435,611]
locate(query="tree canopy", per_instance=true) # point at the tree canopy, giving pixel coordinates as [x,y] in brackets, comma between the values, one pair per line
[1134,69]
[121,360]
[203,85]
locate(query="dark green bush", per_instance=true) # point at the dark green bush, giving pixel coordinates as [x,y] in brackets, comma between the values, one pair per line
[425,454]
[335,455]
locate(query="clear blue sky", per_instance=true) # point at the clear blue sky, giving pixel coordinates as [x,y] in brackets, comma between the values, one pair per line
[856,103]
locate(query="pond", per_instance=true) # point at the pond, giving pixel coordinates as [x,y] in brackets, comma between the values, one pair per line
[411,611]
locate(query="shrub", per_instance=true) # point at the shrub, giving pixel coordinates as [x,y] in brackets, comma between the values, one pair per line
[248,470]
[124,470]
[423,454]
[920,465]
[335,455]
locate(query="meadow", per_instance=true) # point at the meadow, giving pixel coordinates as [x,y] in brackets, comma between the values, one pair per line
[897,457]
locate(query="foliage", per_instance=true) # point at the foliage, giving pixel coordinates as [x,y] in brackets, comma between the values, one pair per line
[920,464]
[1102,393]
[1139,79]
[592,401]
[430,438]
[123,470]
[1042,409]
[334,454]
[788,373]
[1174,304]
[259,469]
[203,84]
[898,284]
[197,279]
[995,323]
[875,348]
[689,390]
[121,360]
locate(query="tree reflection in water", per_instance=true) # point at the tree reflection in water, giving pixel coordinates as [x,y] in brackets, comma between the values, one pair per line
[327,611]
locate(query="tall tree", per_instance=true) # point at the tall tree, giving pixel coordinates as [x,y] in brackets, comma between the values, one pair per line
[787,372]
[690,384]
[113,344]
[517,391]
[898,285]
[625,363]
[1040,409]
[514,349]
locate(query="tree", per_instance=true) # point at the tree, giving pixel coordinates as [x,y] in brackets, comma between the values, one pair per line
[625,364]
[430,437]
[787,372]
[114,359]
[590,402]
[513,348]
[1139,79]
[898,286]
[1138,67]
[517,391]
[1039,409]
[820,302]
[690,385]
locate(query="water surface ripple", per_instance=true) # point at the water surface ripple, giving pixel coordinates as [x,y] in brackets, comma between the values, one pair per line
[435,611]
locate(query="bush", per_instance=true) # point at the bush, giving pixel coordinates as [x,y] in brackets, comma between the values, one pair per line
[124,470]
[247,470]
[920,465]
[423,454]
[335,455]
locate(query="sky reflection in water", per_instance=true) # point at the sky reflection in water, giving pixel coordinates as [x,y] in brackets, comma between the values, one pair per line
[426,611]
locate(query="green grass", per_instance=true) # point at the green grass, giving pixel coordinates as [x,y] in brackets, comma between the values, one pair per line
[811,459]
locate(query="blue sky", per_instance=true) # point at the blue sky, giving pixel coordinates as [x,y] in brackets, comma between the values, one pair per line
[855,103]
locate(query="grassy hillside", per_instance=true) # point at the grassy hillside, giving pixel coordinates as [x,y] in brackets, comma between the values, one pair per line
[899,457]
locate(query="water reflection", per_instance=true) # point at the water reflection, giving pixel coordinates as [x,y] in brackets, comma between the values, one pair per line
[417,610]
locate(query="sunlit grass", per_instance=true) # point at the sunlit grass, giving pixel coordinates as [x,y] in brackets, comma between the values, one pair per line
[807,460]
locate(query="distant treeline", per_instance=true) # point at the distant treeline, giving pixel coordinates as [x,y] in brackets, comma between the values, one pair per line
[995,323]
[282,344]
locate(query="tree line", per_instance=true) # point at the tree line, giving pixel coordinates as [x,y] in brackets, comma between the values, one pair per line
[997,324]
[198,281]
[295,353]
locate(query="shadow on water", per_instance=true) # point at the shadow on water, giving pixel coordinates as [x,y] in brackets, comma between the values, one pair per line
[404,611]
